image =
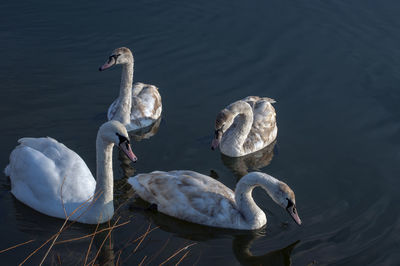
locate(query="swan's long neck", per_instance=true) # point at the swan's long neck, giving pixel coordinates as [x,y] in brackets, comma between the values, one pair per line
[235,137]
[123,113]
[253,215]
[104,181]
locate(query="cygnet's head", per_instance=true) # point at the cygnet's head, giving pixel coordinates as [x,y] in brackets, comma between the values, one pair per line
[223,121]
[119,56]
[115,132]
[283,195]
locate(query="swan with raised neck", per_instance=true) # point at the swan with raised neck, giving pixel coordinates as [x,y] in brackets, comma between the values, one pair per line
[200,199]
[54,180]
[138,105]
[245,126]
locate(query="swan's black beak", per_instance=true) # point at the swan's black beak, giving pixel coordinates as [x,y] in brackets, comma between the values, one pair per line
[126,148]
[217,139]
[293,212]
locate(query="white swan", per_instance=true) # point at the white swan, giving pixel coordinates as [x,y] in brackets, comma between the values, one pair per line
[135,108]
[40,167]
[245,126]
[200,199]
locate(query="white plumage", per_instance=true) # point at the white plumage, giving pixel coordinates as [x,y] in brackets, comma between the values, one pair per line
[48,176]
[39,167]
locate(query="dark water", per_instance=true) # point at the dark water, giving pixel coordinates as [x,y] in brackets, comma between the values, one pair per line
[332,66]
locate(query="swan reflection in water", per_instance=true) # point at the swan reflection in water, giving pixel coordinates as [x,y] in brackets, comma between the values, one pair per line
[241,243]
[145,133]
[241,248]
[136,136]
[241,166]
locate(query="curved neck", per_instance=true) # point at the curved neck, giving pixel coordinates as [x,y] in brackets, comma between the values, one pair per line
[104,179]
[123,113]
[253,215]
[238,132]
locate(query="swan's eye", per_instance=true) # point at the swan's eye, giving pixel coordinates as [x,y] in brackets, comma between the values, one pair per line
[115,56]
[290,203]
[122,139]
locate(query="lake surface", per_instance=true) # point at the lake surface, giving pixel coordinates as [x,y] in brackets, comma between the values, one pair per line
[332,66]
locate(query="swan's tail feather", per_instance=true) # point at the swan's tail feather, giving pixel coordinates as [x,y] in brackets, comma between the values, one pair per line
[25,141]
[139,86]
[32,142]
[270,100]
[256,99]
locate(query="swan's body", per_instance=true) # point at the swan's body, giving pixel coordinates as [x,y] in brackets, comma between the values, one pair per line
[197,198]
[146,107]
[138,105]
[245,126]
[48,176]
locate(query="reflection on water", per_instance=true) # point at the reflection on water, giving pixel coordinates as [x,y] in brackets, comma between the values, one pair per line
[241,166]
[241,247]
[147,132]
[107,255]
[136,136]
[333,67]
[241,244]
[42,227]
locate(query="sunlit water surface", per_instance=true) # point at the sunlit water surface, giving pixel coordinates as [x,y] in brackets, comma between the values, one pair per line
[332,66]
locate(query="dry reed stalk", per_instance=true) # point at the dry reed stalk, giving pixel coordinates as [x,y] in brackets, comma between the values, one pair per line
[159,251]
[198,259]
[141,263]
[121,249]
[92,234]
[59,231]
[137,239]
[56,234]
[187,252]
[52,243]
[59,259]
[144,236]
[102,244]
[18,245]
[109,225]
[119,256]
[177,252]
[141,238]
[91,241]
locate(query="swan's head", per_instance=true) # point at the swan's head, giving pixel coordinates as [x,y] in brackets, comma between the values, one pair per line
[223,121]
[115,132]
[120,56]
[283,195]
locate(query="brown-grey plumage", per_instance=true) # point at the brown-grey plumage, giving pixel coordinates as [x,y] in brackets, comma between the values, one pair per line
[245,126]
[197,198]
[138,105]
